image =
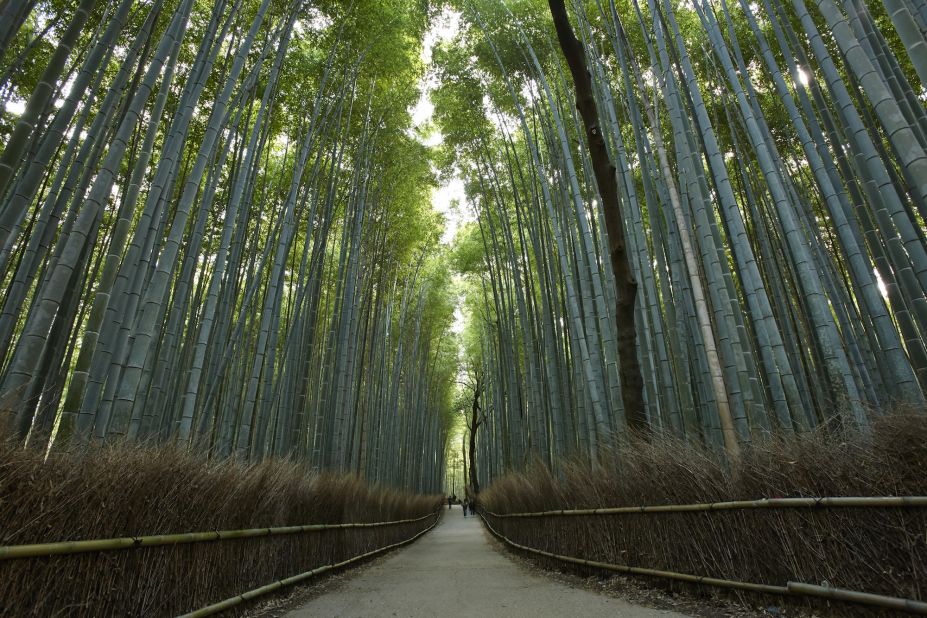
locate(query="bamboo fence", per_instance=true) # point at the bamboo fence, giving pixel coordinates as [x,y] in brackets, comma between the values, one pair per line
[791,588]
[295,579]
[764,503]
[11,552]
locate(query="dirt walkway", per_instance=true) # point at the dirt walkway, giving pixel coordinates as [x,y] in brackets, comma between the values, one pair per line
[454,571]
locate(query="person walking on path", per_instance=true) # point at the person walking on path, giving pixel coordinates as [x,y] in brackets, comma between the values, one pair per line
[464,505]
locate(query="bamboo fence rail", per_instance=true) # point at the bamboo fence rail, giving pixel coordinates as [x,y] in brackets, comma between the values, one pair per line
[791,588]
[764,503]
[11,552]
[295,579]
[852,596]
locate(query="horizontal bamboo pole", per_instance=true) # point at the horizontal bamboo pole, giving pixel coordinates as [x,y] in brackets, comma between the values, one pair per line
[295,579]
[792,588]
[839,594]
[11,552]
[765,503]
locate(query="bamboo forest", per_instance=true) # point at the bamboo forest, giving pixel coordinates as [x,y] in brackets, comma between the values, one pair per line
[272,267]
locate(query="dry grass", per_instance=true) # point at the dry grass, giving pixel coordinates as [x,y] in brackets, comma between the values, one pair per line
[879,550]
[105,493]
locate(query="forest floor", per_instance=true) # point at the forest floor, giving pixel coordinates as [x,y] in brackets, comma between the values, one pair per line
[454,570]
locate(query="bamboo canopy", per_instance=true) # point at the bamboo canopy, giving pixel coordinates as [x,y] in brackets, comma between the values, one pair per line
[768,160]
[219,235]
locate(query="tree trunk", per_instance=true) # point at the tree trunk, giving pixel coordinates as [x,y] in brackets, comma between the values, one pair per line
[475,422]
[632,383]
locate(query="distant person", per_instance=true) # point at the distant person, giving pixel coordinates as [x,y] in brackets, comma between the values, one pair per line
[449,501]
[463,505]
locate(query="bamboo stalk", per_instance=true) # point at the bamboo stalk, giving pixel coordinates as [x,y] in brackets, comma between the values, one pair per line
[764,503]
[295,579]
[11,552]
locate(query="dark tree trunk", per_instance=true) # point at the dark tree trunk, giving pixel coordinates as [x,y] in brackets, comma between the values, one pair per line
[474,424]
[474,483]
[632,383]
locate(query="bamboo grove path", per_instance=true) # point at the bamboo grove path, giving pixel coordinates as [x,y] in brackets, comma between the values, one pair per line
[454,571]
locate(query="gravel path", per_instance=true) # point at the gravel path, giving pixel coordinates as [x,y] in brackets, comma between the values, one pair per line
[453,570]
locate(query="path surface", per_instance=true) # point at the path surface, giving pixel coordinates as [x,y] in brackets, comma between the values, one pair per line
[454,571]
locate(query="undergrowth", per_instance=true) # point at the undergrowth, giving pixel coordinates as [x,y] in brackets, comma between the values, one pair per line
[128,491]
[876,550]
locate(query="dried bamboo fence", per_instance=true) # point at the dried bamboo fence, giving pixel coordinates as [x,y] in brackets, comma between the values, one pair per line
[11,552]
[117,511]
[604,535]
[215,608]
[65,548]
